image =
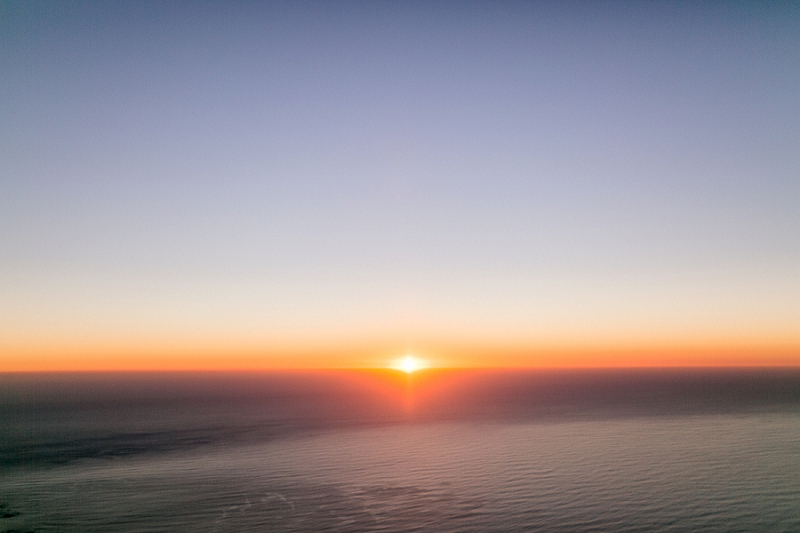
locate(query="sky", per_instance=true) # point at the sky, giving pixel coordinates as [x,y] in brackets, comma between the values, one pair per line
[336,184]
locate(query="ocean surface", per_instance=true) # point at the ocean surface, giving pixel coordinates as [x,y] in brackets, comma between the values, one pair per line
[436,451]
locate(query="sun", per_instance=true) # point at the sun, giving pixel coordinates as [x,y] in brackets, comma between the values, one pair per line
[409,364]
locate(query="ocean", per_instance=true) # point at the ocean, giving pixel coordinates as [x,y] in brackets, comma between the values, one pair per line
[435,451]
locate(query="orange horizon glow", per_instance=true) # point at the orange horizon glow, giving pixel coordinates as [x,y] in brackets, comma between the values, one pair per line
[375,356]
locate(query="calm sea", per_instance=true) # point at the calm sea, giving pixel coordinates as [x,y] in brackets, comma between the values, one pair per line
[470,451]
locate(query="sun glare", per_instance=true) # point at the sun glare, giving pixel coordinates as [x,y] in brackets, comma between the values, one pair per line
[409,364]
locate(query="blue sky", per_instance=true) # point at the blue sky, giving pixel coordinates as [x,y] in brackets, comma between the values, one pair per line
[534,173]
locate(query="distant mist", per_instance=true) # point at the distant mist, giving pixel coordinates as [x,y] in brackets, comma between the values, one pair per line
[57,418]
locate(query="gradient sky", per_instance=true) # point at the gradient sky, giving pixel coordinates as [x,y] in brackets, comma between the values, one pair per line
[334,184]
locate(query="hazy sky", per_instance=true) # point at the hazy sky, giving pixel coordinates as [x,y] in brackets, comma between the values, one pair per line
[408,176]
